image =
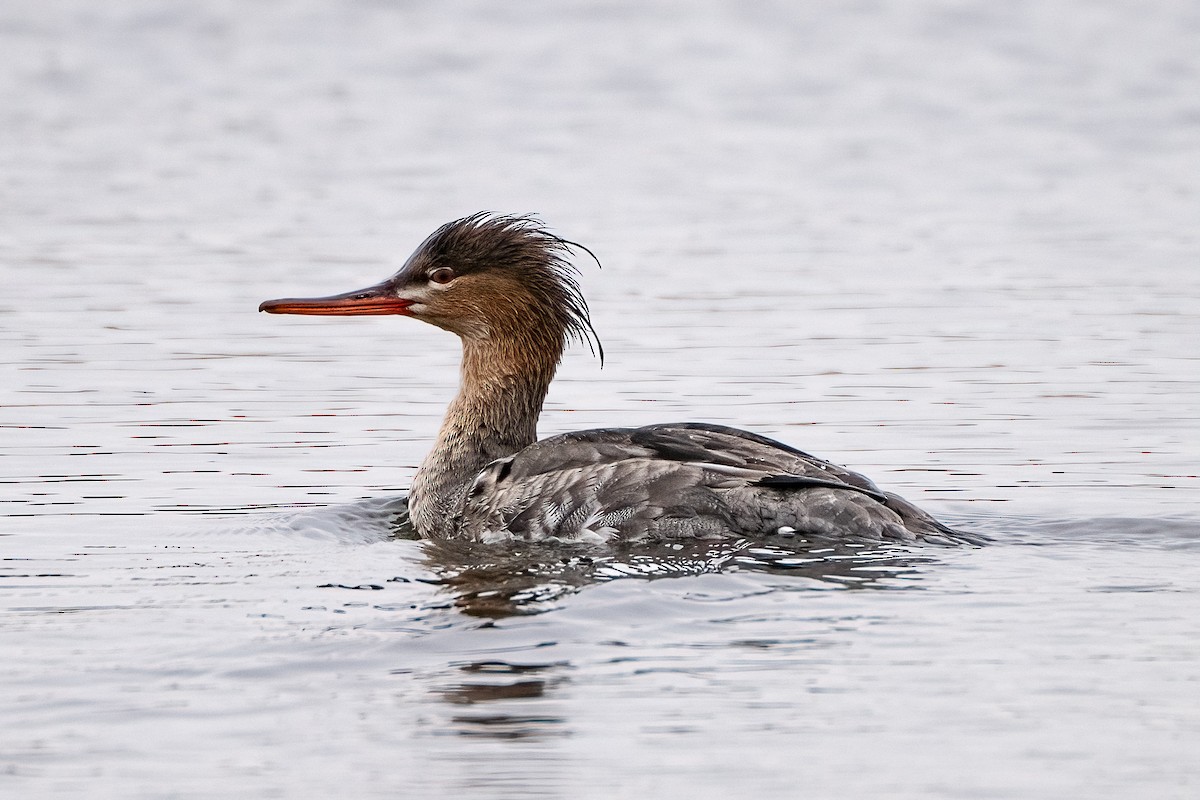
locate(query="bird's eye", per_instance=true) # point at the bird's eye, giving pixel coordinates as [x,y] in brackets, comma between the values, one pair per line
[442,275]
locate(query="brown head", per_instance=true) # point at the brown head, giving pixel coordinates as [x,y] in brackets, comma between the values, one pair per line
[499,279]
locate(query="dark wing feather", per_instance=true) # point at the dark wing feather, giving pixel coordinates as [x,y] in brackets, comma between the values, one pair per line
[803,481]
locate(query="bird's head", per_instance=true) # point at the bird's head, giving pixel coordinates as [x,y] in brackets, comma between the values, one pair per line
[484,277]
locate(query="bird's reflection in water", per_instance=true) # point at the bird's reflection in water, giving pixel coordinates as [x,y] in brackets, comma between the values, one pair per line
[511,578]
[483,683]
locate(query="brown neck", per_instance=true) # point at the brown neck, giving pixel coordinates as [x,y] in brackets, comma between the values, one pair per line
[503,385]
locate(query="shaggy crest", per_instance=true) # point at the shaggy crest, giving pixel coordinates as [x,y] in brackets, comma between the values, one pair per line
[523,246]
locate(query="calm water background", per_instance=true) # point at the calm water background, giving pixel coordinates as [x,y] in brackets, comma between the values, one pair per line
[952,244]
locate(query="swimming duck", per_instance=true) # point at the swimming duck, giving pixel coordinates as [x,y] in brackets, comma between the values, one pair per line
[507,287]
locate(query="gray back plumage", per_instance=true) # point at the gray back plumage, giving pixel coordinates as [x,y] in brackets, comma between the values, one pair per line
[676,480]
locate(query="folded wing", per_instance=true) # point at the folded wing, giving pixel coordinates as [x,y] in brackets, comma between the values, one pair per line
[681,480]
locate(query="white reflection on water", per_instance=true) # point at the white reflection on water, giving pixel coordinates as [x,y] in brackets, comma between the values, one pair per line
[952,245]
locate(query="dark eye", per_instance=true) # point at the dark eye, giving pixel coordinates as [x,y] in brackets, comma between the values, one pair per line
[442,275]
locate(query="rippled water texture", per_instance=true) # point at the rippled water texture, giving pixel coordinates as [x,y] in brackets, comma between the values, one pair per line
[951,244]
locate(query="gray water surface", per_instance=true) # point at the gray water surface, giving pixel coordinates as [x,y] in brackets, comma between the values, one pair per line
[953,245]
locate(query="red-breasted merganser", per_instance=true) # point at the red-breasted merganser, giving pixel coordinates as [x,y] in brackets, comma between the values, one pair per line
[506,287]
